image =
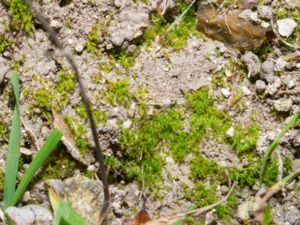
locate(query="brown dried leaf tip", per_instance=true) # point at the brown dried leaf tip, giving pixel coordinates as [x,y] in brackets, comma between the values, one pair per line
[140,218]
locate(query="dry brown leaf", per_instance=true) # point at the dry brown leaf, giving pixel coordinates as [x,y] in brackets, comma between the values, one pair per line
[140,218]
[69,140]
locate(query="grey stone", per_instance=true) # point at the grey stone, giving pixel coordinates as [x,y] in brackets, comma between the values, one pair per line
[280,64]
[131,21]
[273,88]
[296,164]
[225,92]
[291,214]
[246,90]
[86,196]
[264,11]
[286,26]
[260,86]
[3,71]
[268,67]
[297,139]
[283,105]
[250,3]
[30,215]
[79,47]
[252,62]
[246,14]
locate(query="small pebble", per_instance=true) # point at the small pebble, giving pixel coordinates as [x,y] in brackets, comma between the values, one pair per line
[260,86]
[246,90]
[283,105]
[286,26]
[230,132]
[225,92]
[79,48]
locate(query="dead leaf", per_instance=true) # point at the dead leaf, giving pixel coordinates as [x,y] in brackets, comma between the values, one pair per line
[69,140]
[142,217]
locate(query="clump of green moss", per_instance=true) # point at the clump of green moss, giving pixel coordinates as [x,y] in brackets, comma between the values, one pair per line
[59,166]
[4,43]
[205,117]
[118,92]
[43,98]
[3,131]
[123,57]
[176,37]
[93,39]
[79,132]
[2,175]
[142,142]
[99,115]
[204,195]
[21,16]
[65,84]
[245,138]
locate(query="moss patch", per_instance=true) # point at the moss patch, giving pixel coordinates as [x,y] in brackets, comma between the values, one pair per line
[21,16]
[144,145]
[118,92]
[4,43]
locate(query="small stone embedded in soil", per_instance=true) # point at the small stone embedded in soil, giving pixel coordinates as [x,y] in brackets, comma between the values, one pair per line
[246,90]
[253,63]
[225,92]
[30,215]
[79,48]
[283,105]
[273,88]
[260,86]
[280,64]
[264,11]
[286,26]
[230,132]
[230,28]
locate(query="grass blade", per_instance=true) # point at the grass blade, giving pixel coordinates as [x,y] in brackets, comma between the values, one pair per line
[274,144]
[13,153]
[64,214]
[36,163]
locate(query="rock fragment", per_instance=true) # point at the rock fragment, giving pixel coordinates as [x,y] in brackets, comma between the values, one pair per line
[30,215]
[286,26]
[283,105]
[265,12]
[260,86]
[225,92]
[253,63]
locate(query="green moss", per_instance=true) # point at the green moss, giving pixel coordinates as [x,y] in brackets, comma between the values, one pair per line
[245,138]
[21,16]
[176,37]
[2,175]
[93,39]
[43,98]
[281,13]
[105,66]
[79,132]
[204,195]
[124,58]
[118,92]
[3,131]
[4,43]
[99,115]
[202,168]
[59,165]
[264,51]
[65,85]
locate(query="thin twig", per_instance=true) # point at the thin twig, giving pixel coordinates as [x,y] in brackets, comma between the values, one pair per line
[195,213]
[85,100]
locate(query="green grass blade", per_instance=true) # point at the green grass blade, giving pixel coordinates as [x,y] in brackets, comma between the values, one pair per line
[36,163]
[64,214]
[274,144]
[13,153]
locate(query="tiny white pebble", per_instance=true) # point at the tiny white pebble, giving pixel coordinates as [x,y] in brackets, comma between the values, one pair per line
[225,92]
